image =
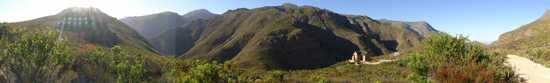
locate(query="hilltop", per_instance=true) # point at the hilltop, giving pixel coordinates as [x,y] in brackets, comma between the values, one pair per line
[89,25]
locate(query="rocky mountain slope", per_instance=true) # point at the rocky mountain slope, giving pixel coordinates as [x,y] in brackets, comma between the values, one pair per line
[530,40]
[529,36]
[291,36]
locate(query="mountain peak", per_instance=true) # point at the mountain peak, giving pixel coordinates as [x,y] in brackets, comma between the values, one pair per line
[80,9]
[199,14]
[420,22]
[168,12]
[289,5]
[199,11]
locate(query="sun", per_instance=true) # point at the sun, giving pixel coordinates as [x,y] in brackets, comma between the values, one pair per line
[79,3]
[85,3]
[93,3]
[31,9]
[68,3]
[116,8]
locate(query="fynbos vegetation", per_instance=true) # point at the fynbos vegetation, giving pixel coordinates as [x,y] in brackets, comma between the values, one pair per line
[443,58]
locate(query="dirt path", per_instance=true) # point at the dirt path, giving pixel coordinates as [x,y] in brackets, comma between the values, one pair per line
[378,62]
[529,70]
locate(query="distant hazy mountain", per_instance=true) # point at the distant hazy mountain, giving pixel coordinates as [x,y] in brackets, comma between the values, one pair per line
[167,31]
[91,26]
[530,36]
[291,36]
[151,25]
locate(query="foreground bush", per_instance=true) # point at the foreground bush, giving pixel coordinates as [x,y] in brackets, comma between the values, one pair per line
[202,72]
[540,55]
[443,58]
[124,67]
[37,56]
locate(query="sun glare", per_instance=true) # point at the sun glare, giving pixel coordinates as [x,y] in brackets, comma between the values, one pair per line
[31,9]
[116,8]
[84,3]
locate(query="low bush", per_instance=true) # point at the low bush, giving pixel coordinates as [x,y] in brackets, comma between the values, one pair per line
[204,72]
[37,56]
[443,58]
[540,55]
[124,66]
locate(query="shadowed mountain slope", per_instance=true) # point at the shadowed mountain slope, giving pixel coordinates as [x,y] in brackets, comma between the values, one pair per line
[295,37]
[168,32]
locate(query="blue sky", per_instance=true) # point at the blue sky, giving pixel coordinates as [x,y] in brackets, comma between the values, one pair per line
[481,20]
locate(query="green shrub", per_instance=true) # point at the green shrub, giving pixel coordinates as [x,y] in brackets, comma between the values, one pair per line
[124,66]
[319,79]
[204,72]
[540,55]
[3,41]
[37,57]
[3,30]
[418,66]
[273,76]
[444,58]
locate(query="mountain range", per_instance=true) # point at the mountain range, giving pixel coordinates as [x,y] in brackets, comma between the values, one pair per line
[283,43]
[286,36]
[272,37]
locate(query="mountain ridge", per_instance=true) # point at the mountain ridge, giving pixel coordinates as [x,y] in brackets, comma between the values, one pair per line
[159,29]
[280,36]
[533,32]
[91,25]
[270,37]
[198,14]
